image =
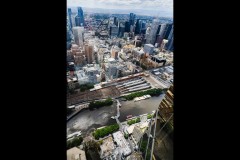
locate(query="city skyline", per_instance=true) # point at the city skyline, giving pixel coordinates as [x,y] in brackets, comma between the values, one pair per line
[159,8]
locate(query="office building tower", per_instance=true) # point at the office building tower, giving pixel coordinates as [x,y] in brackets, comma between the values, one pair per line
[166,106]
[131,28]
[78,35]
[113,31]
[114,52]
[73,21]
[70,17]
[68,40]
[138,27]
[127,26]
[148,48]
[114,70]
[121,30]
[168,30]
[164,42]
[115,21]
[143,27]
[79,19]
[69,35]
[164,133]
[126,34]
[159,28]
[169,45]
[164,32]
[151,38]
[132,18]
[89,53]
[93,73]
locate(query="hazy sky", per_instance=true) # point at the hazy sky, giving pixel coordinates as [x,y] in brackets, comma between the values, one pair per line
[160,6]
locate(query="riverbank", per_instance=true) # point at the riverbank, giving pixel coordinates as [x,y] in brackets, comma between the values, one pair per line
[87,120]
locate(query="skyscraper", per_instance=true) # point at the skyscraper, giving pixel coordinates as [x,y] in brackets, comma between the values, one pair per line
[151,38]
[143,27]
[78,35]
[121,30]
[70,17]
[168,30]
[89,53]
[114,31]
[138,27]
[115,21]
[127,26]
[169,45]
[132,18]
[79,19]
[163,32]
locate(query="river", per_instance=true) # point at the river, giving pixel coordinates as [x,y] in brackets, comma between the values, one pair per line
[87,120]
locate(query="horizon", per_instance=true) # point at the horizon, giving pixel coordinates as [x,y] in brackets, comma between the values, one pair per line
[142,7]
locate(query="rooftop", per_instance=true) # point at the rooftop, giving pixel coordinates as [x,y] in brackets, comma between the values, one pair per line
[107,147]
[150,45]
[122,143]
[76,154]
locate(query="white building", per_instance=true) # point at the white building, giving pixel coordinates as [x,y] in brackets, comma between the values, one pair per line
[78,35]
[122,143]
[82,77]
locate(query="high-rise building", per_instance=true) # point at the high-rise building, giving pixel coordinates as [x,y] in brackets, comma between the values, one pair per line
[168,30]
[114,52]
[132,18]
[89,53]
[164,32]
[115,21]
[70,17]
[127,26]
[143,27]
[138,27]
[121,30]
[148,48]
[78,35]
[93,73]
[163,134]
[151,38]
[164,42]
[169,45]
[79,19]
[166,106]
[113,31]
[79,58]
[69,35]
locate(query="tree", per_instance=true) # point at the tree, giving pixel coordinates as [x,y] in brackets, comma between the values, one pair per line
[74,143]
[92,149]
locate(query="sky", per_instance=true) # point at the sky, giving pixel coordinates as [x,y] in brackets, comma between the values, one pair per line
[160,7]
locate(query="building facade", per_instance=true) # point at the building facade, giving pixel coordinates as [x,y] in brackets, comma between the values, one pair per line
[78,35]
[79,19]
[151,38]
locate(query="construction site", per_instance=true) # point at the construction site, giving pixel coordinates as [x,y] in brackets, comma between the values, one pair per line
[116,88]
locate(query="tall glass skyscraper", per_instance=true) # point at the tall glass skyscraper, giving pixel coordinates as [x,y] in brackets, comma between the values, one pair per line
[70,17]
[132,18]
[138,27]
[151,37]
[127,27]
[169,45]
[79,19]
[168,30]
